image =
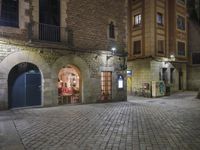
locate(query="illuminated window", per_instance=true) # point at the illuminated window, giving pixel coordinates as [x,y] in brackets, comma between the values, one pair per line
[180,22]
[181,48]
[136,47]
[159,19]
[137,19]
[106,85]
[9,13]
[120,82]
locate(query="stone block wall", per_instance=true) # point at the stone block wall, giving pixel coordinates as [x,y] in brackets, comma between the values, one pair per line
[141,73]
[89,22]
[19,33]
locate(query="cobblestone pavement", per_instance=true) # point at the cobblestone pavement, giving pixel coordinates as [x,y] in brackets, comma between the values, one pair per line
[169,123]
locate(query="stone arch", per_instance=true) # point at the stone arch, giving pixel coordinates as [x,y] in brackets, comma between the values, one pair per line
[84,71]
[16,58]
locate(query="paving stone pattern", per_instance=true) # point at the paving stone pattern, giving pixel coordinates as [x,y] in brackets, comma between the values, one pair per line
[161,124]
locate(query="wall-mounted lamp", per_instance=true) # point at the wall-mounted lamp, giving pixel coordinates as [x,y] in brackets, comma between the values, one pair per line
[113,49]
[171,56]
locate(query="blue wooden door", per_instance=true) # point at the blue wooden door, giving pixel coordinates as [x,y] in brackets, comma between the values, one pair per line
[26,90]
[18,94]
[33,89]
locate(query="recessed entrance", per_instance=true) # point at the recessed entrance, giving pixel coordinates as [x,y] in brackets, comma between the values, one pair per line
[24,86]
[69,85]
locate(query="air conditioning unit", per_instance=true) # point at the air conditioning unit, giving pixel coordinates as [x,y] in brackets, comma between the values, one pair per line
[158,88]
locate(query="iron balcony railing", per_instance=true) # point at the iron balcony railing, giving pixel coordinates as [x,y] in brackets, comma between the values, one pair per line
[50,33]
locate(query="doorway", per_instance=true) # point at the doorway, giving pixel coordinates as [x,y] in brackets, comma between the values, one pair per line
[69,85]
[24,86]
[106,85]
[180,78]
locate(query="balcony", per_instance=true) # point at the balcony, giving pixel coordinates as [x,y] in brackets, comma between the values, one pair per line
[39,32]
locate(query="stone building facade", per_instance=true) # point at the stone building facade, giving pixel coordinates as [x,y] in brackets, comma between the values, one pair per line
[157,46]
[82,52]
[193,68]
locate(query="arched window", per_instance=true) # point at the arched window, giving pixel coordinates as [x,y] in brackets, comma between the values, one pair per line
[9,13]
[111,30]
[120,82]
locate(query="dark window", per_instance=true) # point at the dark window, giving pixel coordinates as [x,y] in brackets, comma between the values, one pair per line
[180,22]
[181,48]
[171,75]
[136,47]
[161,46]
[111,30]
[49,17]
[196,58]
[9,13]
[159,19]
[137,19]
[50,12]
[106,85]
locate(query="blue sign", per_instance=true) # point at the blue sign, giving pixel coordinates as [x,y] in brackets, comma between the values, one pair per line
[129,73]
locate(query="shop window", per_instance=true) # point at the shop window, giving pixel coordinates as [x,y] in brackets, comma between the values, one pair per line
[196,58]
[137,47]
[160,19]
[180,22]
[161,46]
[106,85]
[137,20]
[181,48]
[69,85]
[112,30]
[9,13]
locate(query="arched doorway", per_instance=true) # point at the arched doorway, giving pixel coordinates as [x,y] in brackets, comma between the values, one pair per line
[69,85]
[24,86]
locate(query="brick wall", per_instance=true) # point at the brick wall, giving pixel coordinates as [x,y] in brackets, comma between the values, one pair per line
[89,21]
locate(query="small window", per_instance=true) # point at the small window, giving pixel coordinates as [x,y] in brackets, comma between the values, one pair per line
[161,46]
[137,19]
[159,19]
[180,22]
[196,58]
[120,82]
[136,47]
[181,48]
[9,13]
[112,30]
